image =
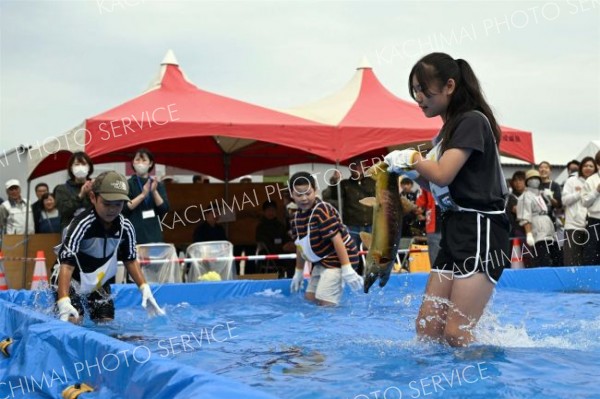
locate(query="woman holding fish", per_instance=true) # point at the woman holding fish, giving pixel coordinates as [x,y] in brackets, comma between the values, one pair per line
[321,238]
[464,175]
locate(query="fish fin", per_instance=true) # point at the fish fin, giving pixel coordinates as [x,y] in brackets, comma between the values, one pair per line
[366,239]
[407,205]
[368,201]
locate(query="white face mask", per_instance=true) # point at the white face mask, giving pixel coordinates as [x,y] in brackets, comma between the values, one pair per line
[533,183]
[80,171]
[141,168]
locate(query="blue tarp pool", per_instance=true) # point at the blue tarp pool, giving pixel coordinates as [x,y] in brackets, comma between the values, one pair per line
[540,337]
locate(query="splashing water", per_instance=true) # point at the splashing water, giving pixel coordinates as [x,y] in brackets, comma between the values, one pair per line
[530,345]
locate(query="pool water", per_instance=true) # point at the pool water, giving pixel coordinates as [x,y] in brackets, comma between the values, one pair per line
[531,345]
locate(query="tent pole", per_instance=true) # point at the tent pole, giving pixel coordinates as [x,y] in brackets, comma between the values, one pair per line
[227,164]
[26,241]
[339,191]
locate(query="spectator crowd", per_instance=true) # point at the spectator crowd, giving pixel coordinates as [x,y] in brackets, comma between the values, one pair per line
[557,225]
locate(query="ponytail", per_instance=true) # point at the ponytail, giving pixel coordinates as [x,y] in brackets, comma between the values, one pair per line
[469,96]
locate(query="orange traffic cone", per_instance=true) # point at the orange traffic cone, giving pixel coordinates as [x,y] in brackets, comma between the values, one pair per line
[3,283]
[39,281]
[516,259]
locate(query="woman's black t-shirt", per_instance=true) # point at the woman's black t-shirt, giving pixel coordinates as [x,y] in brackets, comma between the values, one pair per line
[478,184]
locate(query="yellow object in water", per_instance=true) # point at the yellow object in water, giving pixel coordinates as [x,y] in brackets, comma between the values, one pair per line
[4,344]
[210,276]
[74,391]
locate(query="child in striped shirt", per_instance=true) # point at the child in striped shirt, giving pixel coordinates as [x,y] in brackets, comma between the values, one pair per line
[322,239]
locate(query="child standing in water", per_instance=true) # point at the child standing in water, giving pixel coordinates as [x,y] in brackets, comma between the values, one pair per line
[321,238]
[464,175]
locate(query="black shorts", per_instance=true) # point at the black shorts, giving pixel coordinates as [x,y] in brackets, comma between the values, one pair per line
[474,243]
[99,303]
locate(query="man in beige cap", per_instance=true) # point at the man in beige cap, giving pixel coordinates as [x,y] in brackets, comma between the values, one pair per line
[13,211]
[94,243]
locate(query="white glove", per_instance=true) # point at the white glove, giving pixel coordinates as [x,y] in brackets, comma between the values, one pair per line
[297,280]
[147,297]
[530,241]
[400,161]
[66,309]
[351,278]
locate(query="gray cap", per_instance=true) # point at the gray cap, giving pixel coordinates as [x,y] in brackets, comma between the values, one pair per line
[112,186]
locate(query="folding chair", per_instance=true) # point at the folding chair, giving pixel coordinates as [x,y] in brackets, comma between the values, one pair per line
[207,250]
[168,271]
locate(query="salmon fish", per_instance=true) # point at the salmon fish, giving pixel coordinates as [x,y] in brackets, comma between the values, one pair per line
[383,243]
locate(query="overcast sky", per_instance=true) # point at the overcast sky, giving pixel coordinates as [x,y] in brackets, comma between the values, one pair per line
[63,61]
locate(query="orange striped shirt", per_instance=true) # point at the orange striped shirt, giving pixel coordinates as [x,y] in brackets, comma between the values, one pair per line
[324,225]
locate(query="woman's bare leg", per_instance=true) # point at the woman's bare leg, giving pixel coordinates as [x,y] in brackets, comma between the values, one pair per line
[467,301]
[431,321]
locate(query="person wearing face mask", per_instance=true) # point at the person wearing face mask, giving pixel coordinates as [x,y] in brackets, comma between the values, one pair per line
[72,198]
[532,214]
[148,200]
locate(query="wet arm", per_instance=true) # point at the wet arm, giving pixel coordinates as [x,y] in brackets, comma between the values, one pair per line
[299,259]
[64,280]
[442,172]
[133,267]
[340,249]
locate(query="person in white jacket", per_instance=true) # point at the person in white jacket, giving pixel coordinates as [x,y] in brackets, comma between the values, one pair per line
[591,200]
[532,214]
[13,211]
[576,213]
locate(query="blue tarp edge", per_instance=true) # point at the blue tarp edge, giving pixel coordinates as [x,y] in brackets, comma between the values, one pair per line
[47,353]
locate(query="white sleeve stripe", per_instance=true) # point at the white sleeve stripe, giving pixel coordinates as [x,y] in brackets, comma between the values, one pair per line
[129,229]
[78,233]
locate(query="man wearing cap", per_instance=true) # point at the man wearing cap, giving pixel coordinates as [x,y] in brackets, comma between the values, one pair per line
[13,211]
[95,241]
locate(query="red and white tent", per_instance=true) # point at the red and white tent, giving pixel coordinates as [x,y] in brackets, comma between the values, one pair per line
[188,127]
[369,119]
